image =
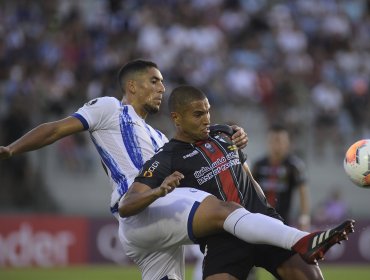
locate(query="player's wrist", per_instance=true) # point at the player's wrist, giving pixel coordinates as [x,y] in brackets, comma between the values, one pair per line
[10,150]
[157,193]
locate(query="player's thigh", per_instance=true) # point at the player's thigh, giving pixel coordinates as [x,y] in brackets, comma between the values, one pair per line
[164,223]
[295,268]
[210,216]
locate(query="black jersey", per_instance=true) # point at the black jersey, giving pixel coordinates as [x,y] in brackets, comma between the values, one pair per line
[279,181]
[214,165]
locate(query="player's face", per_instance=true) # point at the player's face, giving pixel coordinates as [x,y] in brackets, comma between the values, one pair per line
[278,143]
[149,91]
[194,121]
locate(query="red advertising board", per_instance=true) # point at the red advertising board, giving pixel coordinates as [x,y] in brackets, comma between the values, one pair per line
[51,240]
[105,246]
[42,240]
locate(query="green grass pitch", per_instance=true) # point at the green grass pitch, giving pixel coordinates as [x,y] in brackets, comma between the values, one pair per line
[132,273]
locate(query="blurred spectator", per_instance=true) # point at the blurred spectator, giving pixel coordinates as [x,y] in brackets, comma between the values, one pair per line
[21,185]
[74,154]
[276,56]
[332,210]
[327,100]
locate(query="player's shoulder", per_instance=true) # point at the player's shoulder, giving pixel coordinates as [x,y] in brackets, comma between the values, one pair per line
[163,155]
[174,147]
[221,128]
[103,101]
[169,147]
[221,133]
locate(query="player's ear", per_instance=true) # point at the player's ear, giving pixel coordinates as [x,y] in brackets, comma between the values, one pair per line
[131,86]
[176,118]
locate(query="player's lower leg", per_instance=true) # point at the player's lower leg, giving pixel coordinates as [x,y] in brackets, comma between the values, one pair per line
[261,229]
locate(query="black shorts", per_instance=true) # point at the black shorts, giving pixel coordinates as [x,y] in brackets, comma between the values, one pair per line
[225,253]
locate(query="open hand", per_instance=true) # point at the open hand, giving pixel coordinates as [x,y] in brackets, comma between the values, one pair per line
[170,183]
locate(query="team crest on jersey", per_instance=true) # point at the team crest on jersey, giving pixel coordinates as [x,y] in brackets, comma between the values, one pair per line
[92,102]
[209,147]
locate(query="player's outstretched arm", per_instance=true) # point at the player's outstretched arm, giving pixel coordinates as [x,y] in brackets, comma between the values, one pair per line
[139,196]
[42,135]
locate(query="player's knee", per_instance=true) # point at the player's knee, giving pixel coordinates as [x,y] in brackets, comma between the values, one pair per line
[227,207]
[211,215]
[222,209]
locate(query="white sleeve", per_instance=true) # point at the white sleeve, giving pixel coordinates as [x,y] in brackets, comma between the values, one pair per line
[97,113]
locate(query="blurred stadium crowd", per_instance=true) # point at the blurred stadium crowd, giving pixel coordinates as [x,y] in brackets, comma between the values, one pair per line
[306,63]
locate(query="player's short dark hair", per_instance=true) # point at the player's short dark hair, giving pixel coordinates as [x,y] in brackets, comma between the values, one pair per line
[182,95]
[131,67]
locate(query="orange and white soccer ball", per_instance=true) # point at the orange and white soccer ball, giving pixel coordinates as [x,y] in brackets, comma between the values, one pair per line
[357,163]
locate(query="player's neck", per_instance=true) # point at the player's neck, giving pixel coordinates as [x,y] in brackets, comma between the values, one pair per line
[275,159]
[182,137]
[141,113]
[139,110]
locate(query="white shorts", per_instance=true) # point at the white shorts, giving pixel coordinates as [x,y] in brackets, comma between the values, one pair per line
[153,238]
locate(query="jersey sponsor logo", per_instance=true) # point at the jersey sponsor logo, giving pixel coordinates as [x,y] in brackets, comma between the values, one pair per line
[232,148]
[221,164]
[149,173]
[92,102]
[193,153]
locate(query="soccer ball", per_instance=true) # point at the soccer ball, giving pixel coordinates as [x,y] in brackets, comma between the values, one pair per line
[357,163]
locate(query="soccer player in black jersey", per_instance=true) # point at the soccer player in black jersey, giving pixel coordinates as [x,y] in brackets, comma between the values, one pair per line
[209,161]
[280,173]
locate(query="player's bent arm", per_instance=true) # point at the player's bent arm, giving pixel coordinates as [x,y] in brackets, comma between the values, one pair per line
[254,182]
[42,135]
[139,195]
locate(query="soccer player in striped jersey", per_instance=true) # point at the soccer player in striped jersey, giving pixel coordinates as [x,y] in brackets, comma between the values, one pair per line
[154,236]
[207,160]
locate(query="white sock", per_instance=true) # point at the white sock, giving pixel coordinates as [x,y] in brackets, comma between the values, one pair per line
[261,229]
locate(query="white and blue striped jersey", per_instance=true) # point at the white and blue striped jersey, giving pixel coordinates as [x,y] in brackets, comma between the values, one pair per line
[123,140]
